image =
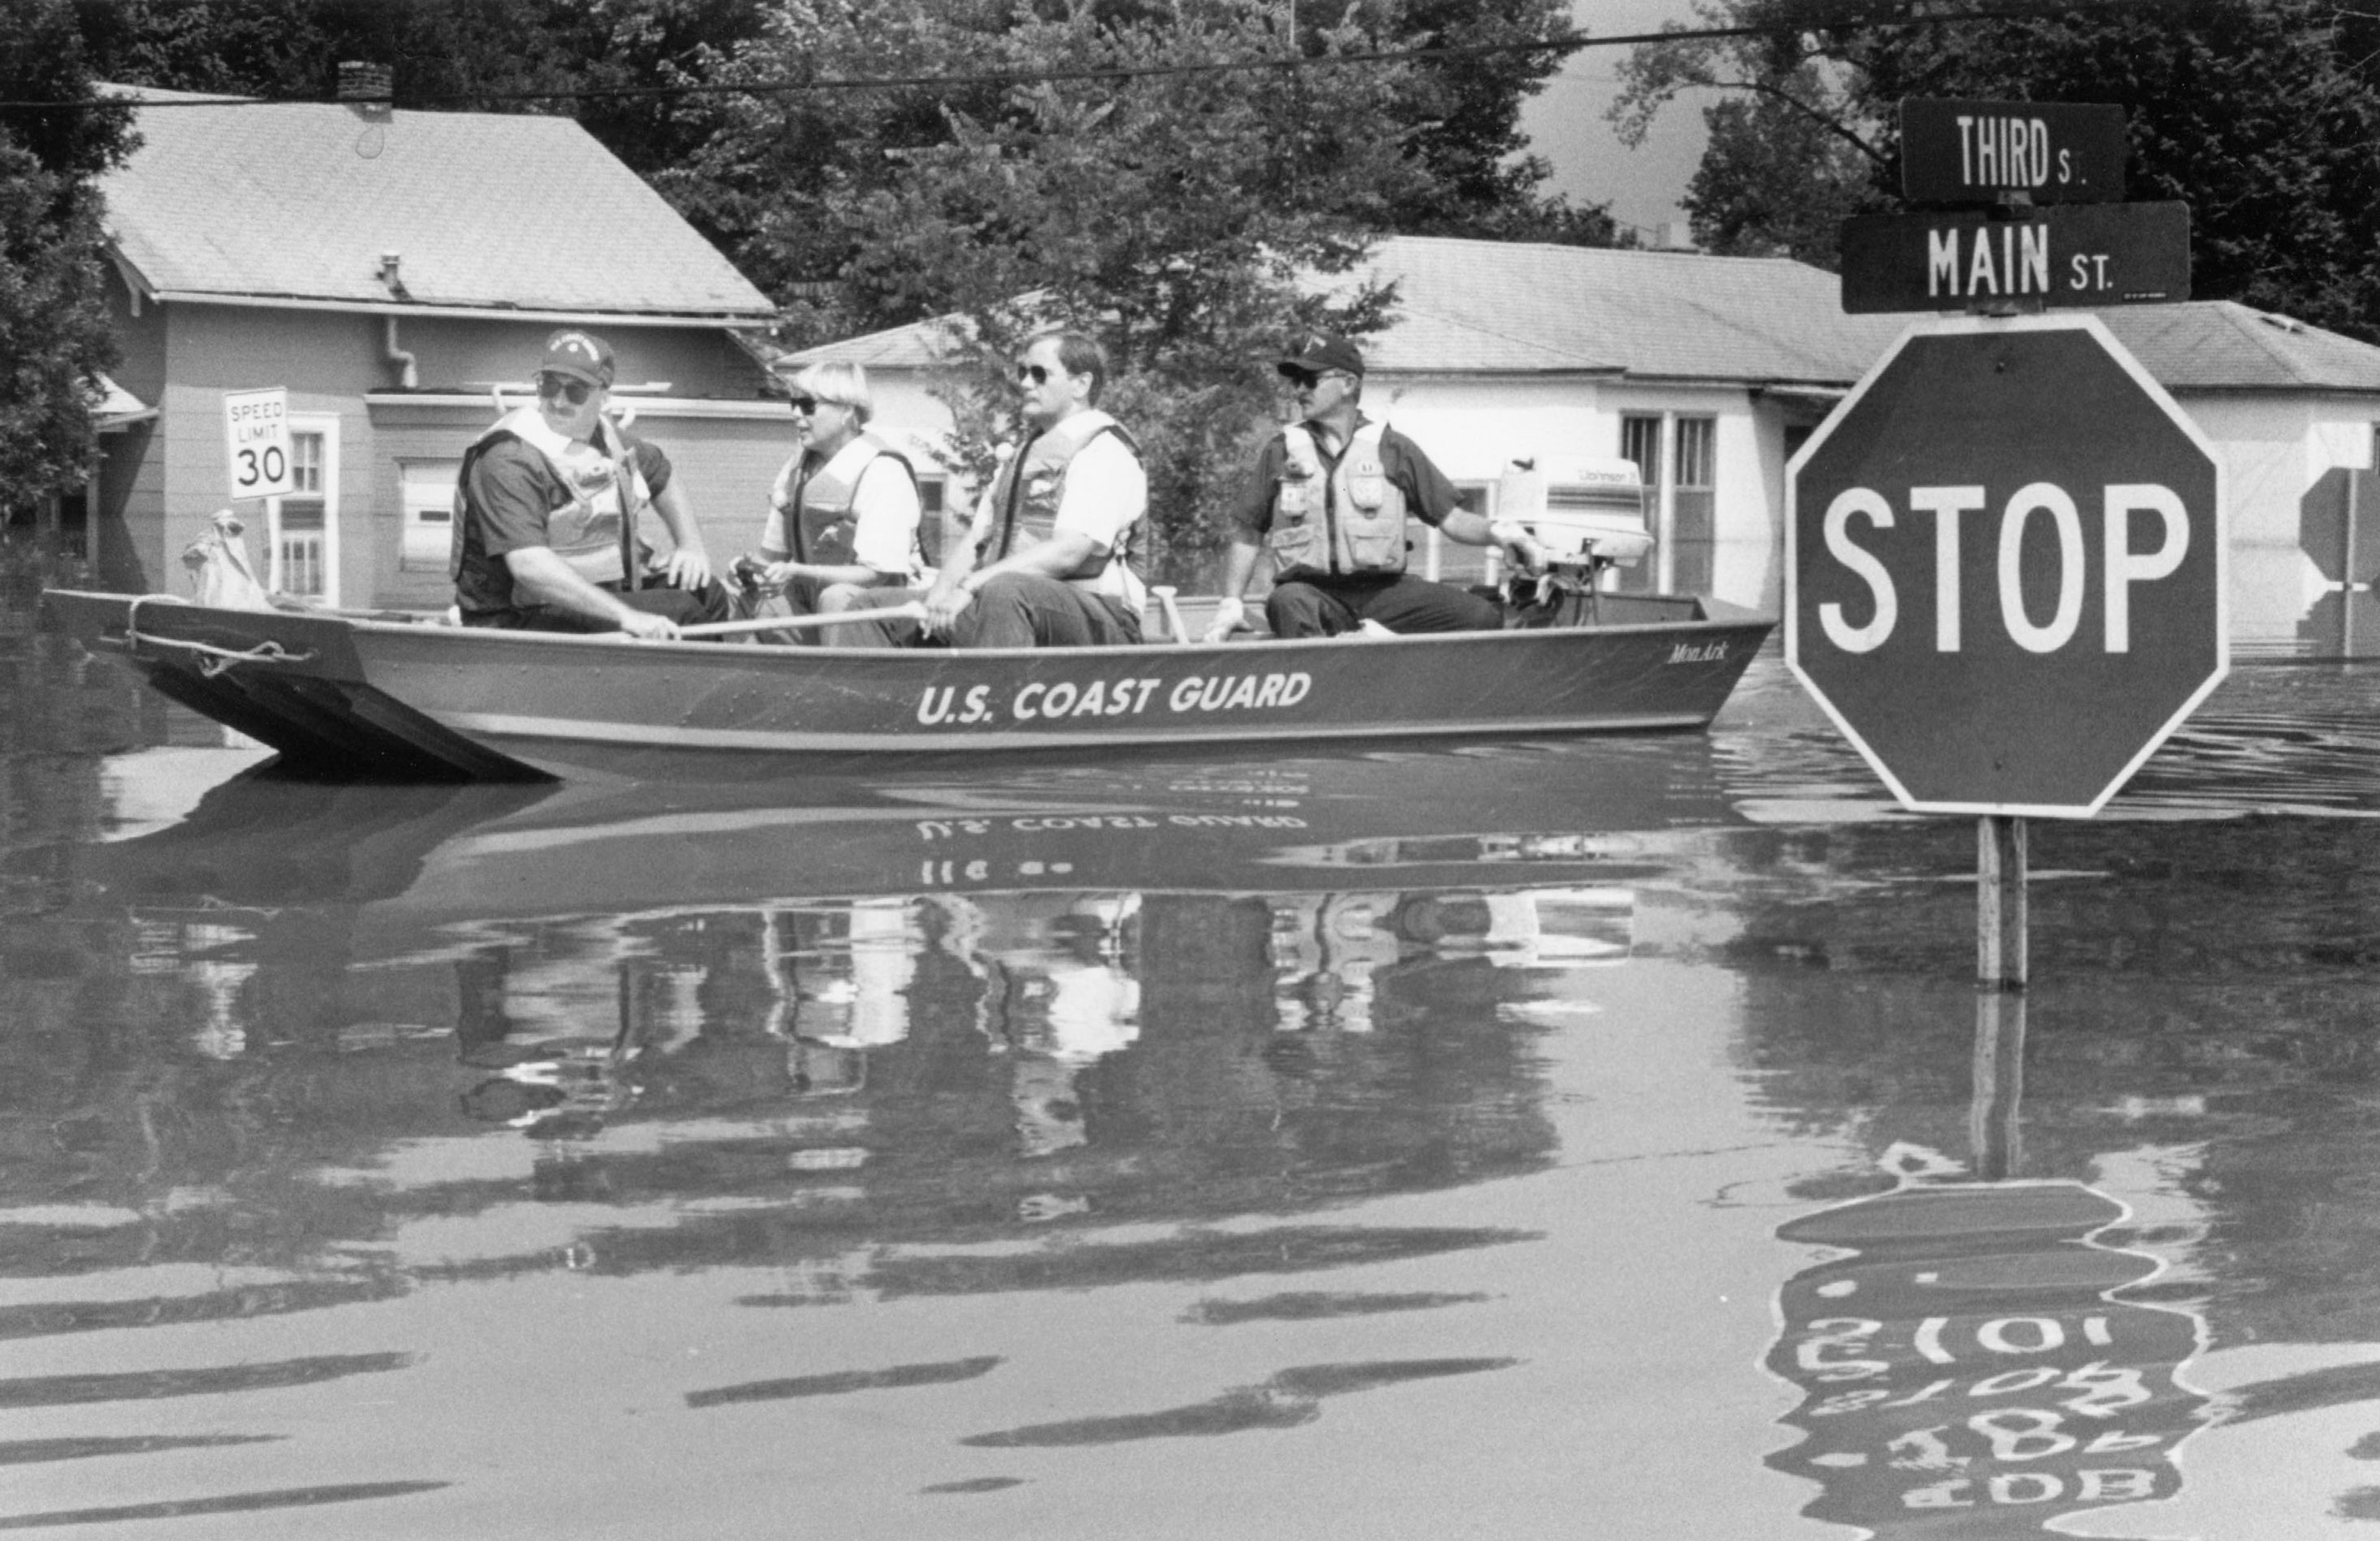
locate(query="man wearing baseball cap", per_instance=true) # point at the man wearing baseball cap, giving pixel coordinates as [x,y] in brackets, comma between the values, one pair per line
[1329,498]
[545,515]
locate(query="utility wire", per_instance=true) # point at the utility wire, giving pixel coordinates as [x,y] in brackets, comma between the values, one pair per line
[1569,43]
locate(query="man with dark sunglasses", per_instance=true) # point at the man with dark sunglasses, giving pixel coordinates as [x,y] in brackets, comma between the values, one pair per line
[1047,562]
[546,509]
[1328,498]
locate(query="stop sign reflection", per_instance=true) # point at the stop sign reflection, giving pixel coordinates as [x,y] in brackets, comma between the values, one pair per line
[2005,565]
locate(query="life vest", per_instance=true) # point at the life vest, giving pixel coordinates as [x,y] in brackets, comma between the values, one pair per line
[1028,488]
[1347,521]
[813,516]
[593,529]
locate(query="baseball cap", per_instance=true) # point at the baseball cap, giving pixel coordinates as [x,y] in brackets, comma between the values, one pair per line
[1320,351]
[580,354]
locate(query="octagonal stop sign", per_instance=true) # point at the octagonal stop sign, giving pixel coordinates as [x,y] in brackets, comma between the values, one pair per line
[2005,566]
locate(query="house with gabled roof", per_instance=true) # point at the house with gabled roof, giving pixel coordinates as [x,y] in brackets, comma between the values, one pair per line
[1708,372]
[396,273]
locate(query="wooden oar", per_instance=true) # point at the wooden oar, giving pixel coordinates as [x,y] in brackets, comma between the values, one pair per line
[911,611]
[1165,592]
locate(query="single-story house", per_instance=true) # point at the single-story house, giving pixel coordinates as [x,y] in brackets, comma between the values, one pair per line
[396,273]
[1709,372]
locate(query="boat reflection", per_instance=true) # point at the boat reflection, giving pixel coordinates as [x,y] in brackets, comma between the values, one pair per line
[926,1005]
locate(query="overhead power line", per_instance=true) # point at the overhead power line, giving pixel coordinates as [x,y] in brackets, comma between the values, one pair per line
[1568,43]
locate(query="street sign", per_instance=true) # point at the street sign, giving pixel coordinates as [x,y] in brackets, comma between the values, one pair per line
[2005,566]
[1982,152]
[255,432]
[2109,254]
[2336,520]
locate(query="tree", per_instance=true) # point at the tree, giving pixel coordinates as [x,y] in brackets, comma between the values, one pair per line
[1462,122]
[611,64]
[1794,148]
[54,326]
[1104,181]
[2260,113]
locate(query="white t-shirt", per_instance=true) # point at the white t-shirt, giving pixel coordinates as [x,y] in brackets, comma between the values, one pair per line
[886,508]
[1106,494]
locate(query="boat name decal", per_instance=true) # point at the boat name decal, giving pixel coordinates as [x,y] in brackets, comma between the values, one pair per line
[1698,652]
[1047,700]
[951,829]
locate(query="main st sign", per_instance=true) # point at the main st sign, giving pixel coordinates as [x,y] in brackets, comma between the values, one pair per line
[2006,566]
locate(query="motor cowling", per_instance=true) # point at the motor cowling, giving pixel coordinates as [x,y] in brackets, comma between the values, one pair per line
[1585,510]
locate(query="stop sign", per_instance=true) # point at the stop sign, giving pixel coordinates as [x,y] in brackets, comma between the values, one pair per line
[2005,566]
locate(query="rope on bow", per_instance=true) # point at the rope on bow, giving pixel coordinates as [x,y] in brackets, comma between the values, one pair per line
[215,659]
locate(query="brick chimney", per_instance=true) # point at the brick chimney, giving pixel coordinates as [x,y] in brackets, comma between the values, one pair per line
[367,87]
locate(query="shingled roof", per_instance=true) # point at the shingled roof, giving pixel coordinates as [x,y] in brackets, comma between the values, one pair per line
[2220,345]
[1499,307]
[229,200]
[1471,307]
[1490,307]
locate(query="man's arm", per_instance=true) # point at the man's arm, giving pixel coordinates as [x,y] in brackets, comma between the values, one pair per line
[1252,514]
[690,564]
[945,597]
[1477,529]
[1239,568]
[1434,497]
[542,577]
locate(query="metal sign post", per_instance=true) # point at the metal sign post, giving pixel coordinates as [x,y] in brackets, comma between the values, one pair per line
[2000,936]
[1997,1086]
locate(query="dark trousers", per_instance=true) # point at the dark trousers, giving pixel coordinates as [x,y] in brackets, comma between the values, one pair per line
[686,607]
[1021,609]
[1317,606]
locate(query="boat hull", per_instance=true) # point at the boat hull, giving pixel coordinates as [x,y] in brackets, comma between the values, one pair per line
[403,700]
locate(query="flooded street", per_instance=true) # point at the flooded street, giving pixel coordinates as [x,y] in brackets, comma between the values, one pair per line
[1594,1138]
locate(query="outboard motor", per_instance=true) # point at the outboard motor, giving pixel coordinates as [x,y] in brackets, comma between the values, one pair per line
[1588,512]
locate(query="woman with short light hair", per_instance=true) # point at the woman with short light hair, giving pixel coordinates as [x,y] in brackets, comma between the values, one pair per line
[842,532]
[840,384]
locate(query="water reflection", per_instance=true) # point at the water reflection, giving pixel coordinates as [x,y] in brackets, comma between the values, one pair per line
[317,1050]
[696,998]
[982,1137]
[1968,1369]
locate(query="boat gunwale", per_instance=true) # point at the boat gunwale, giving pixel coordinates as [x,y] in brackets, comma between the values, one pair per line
[1726,615]
[702,647]
[1729,617]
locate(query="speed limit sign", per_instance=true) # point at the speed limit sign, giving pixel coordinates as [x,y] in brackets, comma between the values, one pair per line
[256,429]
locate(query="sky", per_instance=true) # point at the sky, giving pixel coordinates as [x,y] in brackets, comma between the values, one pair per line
[1566,125]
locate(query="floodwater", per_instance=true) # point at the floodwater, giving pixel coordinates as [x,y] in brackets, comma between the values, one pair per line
[1602,1138]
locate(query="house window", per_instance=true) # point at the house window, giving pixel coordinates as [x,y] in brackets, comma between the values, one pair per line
[1693,531]
[1640,441]
[426,492]
[301,528]
[1684,514]
[933,497]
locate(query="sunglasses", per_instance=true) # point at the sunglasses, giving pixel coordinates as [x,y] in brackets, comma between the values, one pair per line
[1033,372]
[1305,380]
[808,405]
[574,392]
